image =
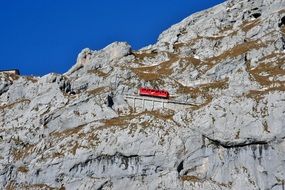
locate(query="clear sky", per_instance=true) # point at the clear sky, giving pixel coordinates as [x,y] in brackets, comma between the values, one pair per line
[42,36]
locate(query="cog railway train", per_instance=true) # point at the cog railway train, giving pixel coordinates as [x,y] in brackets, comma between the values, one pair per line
[153,93]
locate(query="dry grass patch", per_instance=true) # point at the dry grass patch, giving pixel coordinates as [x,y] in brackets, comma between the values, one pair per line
[118,121]
[214,38]
[259,94]
[203,90]
[240,49]
[11,185]
[92,139]
[237,50]
[126,120]
[10,106]
[99,90]
[57,155]
[222,84]
[193,60]
[14,76]
[140,56]
[72,145]
[190,178]
[98,73]
[69,132]
[177,46]
[23,169]
[248,25]
[168,115]
[156,117]
[74,148]
[146,76]
[270,56]
[32,79]
[270,65]
[41,186]
[225,29]
[23,152]
[156,72]
[143,54]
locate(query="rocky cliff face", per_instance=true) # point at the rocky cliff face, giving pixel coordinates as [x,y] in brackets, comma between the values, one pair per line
[226,63]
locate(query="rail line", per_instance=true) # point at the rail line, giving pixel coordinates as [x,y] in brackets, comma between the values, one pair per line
[167,101]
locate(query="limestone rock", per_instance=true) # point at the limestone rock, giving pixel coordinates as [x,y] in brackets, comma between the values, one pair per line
[223,127]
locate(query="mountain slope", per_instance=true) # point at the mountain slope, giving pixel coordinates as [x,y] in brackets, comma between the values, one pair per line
[226,64]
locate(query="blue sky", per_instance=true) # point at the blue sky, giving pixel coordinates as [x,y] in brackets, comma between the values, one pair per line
[43,36]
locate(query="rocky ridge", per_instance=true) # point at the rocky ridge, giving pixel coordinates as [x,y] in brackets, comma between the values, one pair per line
[57,131]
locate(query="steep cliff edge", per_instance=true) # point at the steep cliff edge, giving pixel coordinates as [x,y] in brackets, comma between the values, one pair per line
[57,131]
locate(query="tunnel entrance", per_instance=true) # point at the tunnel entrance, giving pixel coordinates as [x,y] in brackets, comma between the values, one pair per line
[256,15]
[282,23]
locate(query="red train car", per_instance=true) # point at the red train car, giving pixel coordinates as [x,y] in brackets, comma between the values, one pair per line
[153,93]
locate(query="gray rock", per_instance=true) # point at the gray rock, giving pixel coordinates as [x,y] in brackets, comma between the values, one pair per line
[223,127]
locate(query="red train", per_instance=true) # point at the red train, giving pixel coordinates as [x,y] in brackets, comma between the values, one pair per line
[153,93]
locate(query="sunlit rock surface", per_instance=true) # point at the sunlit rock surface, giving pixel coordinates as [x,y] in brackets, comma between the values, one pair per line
[225,63]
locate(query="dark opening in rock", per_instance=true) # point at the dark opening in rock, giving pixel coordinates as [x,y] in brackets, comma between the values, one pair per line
[110,101]
[180,167]
[38,172]
[256,15]
[282,23]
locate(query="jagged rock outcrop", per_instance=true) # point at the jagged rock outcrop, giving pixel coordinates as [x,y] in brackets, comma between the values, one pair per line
[226,63]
